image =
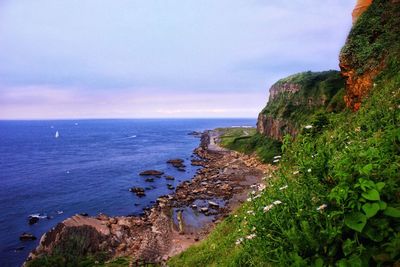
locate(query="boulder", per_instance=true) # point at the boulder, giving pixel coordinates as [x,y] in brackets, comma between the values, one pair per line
[177,163]
[213,204]
[27,237]
[33,219]
[169,177]
[151,173]
[138,191]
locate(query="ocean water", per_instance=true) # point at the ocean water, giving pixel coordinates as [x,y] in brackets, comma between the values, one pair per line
[87,169]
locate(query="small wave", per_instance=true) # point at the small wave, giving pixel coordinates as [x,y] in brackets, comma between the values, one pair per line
[37,215]
[132,136]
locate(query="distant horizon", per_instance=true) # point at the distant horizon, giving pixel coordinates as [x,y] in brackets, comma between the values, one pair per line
[149,118]
[152,59]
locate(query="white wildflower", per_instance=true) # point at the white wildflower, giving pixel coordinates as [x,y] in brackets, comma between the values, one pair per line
[268,208]
[322,207]
[276,161]
[253,229]
[308,127]
[296,172]
[309,170]
[277,157]
[251,236]
[261,187]
[277,202]
[283,187]
[239,241]
[250,212]
[235,215]
[256,196]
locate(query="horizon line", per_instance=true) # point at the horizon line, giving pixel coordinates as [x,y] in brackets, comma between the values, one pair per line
[133,118]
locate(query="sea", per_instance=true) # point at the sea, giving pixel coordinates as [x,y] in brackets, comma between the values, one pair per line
[54,169]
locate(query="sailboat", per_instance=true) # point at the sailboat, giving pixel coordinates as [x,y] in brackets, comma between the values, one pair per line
[57,134]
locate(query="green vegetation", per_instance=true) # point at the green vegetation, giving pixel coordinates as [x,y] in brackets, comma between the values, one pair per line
[335,199]
[319,92]
[339,185]
[375,35]
[59,261]
[248,141]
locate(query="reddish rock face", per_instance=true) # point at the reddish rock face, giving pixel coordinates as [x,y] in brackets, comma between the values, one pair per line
[361,6]
[357,86]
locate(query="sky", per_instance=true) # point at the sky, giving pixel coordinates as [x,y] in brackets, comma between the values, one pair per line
[159,58]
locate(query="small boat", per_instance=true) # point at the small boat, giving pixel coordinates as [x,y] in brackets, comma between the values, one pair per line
[57,134]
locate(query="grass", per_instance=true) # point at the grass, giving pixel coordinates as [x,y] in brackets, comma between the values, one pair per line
[335,199]
[248,141]
[374,37]
[338,185]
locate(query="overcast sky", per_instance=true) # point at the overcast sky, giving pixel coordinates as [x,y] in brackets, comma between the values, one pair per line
[159,58]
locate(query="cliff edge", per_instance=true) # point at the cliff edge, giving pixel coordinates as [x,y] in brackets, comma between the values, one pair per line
[374,37]
[293,100]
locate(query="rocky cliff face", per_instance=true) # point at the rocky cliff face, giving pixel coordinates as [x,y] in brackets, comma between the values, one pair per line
[361,6]
[374,36]
[293,99]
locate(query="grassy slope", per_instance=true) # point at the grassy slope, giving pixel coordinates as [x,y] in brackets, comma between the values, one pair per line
[351,165]
[248,141]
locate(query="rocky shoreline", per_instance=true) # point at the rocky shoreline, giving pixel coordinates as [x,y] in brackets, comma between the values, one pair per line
[176,221]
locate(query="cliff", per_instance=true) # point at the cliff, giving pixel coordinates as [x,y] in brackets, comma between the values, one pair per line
[335,199]
[373,39]
[361,6]
[293,100]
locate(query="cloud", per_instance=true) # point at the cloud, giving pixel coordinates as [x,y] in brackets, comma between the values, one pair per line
[173,47]
[71,103]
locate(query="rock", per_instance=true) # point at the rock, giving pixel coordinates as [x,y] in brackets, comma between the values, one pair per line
[27,237]
[32,220]
[169,177]
[361,6]
[170,187]
[197,162]
[226,187]
[151,173]
[195,134]
[149,180]
[84,214]
[138,191]
[204,209]
[176,162]
[213,204]
[102,217]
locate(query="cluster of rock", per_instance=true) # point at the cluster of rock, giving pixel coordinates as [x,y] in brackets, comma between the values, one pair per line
[222,183]
[150,174]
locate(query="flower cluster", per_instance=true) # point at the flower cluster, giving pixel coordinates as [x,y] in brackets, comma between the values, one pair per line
[269,207]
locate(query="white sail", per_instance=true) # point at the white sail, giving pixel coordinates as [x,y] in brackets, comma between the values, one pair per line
[57,134]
